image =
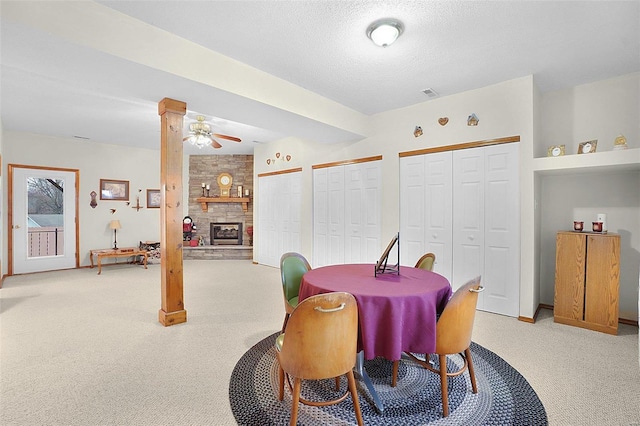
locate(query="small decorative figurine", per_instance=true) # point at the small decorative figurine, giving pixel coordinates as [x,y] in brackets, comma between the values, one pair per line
[620,143]
[473,120]
[418,131]
[443,121]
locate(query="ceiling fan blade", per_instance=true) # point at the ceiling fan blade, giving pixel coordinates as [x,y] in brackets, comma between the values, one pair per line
[215,144]
[231,138]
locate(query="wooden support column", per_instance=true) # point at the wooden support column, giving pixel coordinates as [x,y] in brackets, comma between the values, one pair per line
[171,115]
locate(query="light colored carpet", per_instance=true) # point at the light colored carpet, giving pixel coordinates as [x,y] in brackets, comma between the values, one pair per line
[82,349]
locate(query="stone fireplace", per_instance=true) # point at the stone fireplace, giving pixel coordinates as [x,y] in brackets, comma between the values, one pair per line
[229,233]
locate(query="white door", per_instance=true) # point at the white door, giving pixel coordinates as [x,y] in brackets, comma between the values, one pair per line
[43,219]
[335,192]
[320,217]
[468,216]
[438,212]
[412,209]
[502,230]
[362,212]
[279,216]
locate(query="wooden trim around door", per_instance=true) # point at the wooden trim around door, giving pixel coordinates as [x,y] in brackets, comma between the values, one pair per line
[345,162]
[280,172]
[10,210]
[459,146]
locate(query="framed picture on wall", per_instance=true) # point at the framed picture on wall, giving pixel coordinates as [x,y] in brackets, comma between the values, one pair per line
[153,198]
[117,190]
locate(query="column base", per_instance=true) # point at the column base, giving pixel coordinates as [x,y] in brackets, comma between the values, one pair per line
[172,318]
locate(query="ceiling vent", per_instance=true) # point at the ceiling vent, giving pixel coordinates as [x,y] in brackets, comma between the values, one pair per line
[430,93]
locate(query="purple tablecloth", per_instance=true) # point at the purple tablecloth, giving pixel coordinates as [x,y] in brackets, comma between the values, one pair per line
[397,313]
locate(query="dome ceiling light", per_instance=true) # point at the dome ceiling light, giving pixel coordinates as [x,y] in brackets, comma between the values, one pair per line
[384,32]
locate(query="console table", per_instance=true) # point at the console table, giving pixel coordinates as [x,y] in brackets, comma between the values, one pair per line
[121,252]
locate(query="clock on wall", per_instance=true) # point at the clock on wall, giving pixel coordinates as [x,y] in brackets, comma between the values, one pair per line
[224,183]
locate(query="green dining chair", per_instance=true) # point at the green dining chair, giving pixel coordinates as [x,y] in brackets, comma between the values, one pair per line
[292,267]
[426,262]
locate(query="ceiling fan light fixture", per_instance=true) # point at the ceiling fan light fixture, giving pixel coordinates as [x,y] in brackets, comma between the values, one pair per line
[385,31]
[200,133]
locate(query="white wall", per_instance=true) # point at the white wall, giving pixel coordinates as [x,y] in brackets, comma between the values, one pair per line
[504,109]
[141,167]
[600,110]
[581,197]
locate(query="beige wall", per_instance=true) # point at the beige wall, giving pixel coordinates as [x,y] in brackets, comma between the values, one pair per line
[504,109]
[507,109]
[141,167]
[600,110]
[510,108]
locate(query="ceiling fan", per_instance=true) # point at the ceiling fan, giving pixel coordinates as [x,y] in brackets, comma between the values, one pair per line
[200,134]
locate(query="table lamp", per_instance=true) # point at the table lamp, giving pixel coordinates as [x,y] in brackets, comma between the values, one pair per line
[115,225]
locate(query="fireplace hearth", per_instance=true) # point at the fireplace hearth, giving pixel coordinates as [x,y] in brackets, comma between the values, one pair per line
[226,234]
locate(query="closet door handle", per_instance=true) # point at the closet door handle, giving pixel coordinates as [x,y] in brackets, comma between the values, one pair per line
[471,237]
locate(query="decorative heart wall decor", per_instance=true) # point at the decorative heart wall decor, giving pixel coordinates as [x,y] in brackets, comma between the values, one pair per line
[443,121]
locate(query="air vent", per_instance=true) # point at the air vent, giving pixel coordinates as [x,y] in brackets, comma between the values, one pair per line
[430,93]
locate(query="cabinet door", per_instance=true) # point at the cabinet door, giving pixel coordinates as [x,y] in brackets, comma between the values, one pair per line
[468,216]
[602,280]
[570,274]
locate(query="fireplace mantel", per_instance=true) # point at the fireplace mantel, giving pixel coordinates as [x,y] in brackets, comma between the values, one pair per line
[204,201]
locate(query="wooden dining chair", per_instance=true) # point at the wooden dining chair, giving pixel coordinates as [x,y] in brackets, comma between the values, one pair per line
[453,336]
[292,267]
[426,262]
[320,342]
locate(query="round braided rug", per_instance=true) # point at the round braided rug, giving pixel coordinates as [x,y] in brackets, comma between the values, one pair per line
[504,397]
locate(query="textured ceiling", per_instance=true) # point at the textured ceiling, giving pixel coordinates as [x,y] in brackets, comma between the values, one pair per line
[57,85]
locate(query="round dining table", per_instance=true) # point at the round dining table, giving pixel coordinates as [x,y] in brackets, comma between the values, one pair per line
[397,312]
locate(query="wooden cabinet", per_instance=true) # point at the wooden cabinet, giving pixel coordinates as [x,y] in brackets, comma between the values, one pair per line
[587,280]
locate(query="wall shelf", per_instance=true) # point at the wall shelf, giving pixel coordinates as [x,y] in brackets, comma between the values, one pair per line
[628,159]
[204,201]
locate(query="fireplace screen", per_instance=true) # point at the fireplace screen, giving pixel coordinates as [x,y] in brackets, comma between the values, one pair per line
[226,234]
